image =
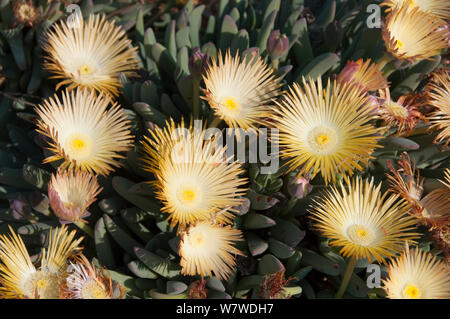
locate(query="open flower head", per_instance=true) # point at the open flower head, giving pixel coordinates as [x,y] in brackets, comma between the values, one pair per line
[417,274]
[366,75]
[194,179]
[89,54]
[410,34]
[19,278]
[85,281]
[71,193]
[206,249]
[438,8]
[83,132]
[438,95]
[240,90]
[363,221]
[325,130]
[401,115]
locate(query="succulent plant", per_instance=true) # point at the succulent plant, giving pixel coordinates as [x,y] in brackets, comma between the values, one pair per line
[281,254]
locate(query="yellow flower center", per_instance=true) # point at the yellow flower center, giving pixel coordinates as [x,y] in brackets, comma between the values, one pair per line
[92,289]
[189,195]
[322,140]
[399,44]
[78,146]
[42,284]
[412,3]
[230,103]
[412,292]
[230,107]
[85,69]
[361,235]
[197,239]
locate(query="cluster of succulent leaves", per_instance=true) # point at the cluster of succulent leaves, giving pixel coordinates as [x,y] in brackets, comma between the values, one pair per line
[131,236]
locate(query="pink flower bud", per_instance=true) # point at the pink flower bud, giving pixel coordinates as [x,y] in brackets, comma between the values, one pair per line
[277,44]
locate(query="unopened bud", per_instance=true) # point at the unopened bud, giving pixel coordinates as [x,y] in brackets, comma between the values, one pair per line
[277,44]
[198,62]
[299,187]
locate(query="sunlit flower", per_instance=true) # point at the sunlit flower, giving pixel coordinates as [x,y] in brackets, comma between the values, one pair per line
[85,281]
[240,91]
[406,181]
[207,249]
[411,34]
[366,75]
[194,179]
[18,276]
[71,193]
[438,94]
[417,274]
[439,8]
[25,12]
[83,132]
[326,131]
[90,54]
[363,221]
[402,115]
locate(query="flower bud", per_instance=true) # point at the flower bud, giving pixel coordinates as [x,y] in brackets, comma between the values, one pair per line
[299,187]
[198,62]
[277,44]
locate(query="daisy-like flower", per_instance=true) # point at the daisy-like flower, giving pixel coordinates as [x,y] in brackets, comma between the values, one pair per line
[406,181]
[240,91]
[363,221]
[194,179]
[438,95]
[402,115]
[410,34]
[438,8]
[83,132]
[71,193]
[85,281]
[90,54]
[366,75]
[325,130]
[207,249]
[25,12]
[20,278]
[417,274]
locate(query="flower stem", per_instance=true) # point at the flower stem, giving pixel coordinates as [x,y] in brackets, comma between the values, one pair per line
[85,227]
[346,278]
[384,60]
[196,97]
[275,63]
